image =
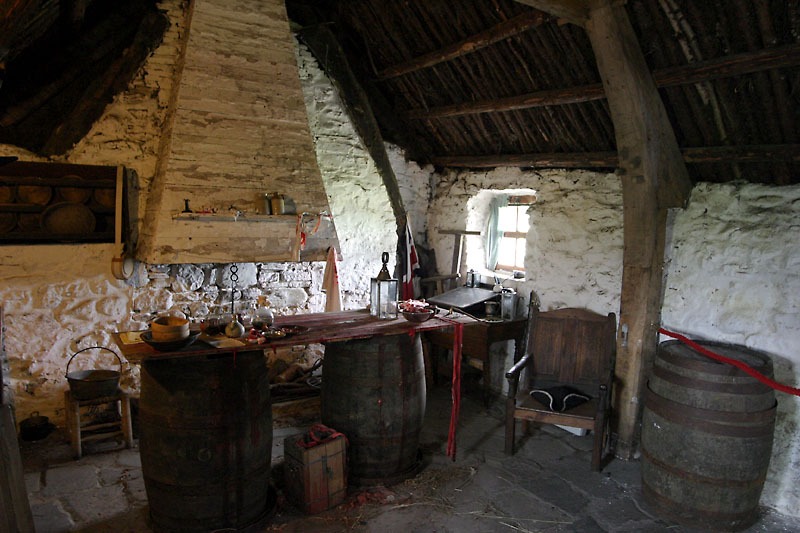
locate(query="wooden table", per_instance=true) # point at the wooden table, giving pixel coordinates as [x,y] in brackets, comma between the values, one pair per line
[202,405]
[322,328]
[204,410]
[479,335]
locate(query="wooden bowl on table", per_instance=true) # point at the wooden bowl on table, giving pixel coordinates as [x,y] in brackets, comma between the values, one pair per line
[169,329]
[417,311]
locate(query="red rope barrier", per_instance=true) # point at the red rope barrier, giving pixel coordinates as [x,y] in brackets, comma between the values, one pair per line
[738,364]
[458,335]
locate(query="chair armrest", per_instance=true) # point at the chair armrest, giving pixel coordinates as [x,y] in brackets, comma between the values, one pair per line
[513,375]
[515,370]
[602,398]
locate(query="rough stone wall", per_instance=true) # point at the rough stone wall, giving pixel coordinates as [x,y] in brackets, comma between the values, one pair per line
[59,299]
[356,193]
[733,275]
[574,247]
[731,270]
[732,260]
[574,252]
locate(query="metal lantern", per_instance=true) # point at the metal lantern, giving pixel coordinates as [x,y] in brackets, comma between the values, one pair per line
[383,292]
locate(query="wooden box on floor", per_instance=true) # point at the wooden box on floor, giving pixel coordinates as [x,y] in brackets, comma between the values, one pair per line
[316,477]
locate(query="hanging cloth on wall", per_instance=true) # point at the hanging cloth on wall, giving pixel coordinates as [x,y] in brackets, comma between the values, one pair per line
[409,266]
[330,283]
[493,232]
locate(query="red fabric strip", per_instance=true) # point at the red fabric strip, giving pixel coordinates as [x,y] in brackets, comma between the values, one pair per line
[458,334]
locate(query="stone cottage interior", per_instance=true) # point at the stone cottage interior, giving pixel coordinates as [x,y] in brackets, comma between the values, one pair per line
[196,159]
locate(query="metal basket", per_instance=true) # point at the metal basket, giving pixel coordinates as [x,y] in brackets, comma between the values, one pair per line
[91,384]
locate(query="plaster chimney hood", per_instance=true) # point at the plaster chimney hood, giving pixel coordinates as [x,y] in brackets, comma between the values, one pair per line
[237,129]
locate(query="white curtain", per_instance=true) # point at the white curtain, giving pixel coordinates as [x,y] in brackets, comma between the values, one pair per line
[493,233]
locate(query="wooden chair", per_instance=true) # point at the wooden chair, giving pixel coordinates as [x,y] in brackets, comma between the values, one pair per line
[573,347]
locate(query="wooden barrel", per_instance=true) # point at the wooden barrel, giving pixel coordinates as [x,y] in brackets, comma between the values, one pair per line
[373,391]
[707,430]
[206,441]
[8,221]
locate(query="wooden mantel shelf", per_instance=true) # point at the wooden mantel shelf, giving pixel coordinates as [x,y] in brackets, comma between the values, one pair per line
[231,217]
[240,237]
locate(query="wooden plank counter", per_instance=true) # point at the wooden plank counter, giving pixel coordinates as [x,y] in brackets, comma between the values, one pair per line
[322,328]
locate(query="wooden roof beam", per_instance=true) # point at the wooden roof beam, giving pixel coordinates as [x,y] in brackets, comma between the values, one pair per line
[573,11]
[488,37]
[789,153]
[722,67]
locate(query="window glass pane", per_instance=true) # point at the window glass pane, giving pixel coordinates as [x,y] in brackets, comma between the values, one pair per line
[520,255]
[523,224]
[507,221]
[506,252]
[514,222]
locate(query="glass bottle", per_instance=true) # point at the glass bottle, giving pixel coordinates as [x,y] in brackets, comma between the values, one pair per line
[263,316]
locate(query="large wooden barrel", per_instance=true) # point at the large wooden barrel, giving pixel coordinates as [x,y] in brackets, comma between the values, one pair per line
[707,430]
[206,441]
[373,391]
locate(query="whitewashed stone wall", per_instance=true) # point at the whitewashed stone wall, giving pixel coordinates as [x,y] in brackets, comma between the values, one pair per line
[358,199]
[574,252]
[58,299]
[732,270]
[732,259]
[733,275]
[574,248]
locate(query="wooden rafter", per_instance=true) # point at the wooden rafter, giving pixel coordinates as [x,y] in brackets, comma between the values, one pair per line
[707,154]
[572,11]
[488,37]
[723,67]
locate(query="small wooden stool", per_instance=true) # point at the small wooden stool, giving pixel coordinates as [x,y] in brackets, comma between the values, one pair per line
[105,430]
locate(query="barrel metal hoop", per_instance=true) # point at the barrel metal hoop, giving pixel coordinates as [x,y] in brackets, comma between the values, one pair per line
[683,474]
[707,518]
[724,423]
[708,365]
[750,388]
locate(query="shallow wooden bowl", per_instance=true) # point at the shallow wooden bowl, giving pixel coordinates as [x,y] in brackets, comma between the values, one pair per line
[419,316]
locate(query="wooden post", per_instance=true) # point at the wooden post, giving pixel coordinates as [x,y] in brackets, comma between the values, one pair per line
[15,511]
[654,178]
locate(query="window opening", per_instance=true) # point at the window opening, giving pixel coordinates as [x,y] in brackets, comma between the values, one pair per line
[507,226]
[512,221]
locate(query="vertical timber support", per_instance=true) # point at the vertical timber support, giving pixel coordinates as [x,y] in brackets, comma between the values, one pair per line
[654,178]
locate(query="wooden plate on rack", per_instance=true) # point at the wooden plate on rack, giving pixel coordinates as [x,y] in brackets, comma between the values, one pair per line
[78,195]
[68,217]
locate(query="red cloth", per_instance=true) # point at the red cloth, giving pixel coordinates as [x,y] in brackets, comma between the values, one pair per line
[458,335]
[318,434]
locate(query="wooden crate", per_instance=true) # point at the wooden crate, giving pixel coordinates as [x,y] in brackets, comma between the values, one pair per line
[316,477]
